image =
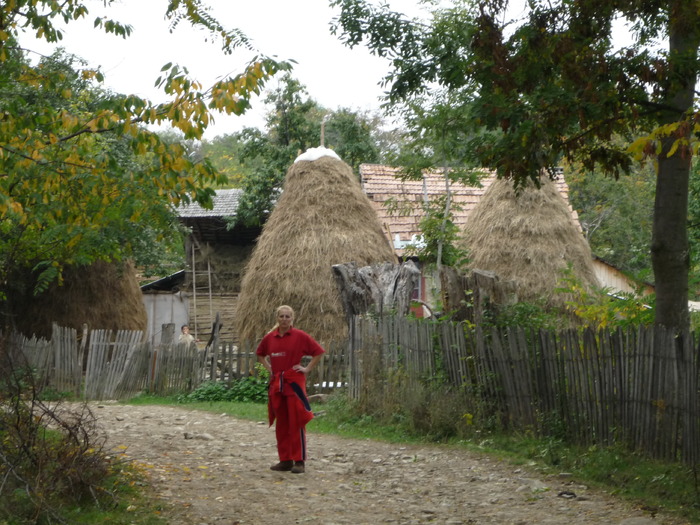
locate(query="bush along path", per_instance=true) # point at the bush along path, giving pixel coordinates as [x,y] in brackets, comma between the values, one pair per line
[214,469]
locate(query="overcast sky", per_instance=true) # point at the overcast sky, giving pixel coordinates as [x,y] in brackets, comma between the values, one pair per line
[334,75]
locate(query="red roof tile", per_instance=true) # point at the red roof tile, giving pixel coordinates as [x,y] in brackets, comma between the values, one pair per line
[382,185]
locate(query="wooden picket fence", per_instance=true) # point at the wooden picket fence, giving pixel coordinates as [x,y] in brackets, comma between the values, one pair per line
[118,365]
[638,387]
[330,374]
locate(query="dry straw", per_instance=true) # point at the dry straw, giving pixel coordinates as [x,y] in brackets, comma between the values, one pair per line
[322,218]
[529,238]
[104,295]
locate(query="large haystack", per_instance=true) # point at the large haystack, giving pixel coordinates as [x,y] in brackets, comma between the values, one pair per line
[322,218]
[529,238]
[103,295]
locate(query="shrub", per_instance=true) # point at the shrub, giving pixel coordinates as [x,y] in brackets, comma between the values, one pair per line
[246,389]
[51,458]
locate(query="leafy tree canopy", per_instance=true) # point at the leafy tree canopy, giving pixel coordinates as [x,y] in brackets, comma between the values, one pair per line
[616,216]
[554,86]
[79,166]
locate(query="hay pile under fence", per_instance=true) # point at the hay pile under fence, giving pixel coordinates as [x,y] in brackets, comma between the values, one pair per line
[530,238]
[322,218]
[102,295]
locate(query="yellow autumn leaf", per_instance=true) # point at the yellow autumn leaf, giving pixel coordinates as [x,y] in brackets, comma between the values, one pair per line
[674,148]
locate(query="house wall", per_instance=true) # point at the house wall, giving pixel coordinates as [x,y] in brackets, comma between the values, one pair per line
[610,277]
[226,263]
[165,308]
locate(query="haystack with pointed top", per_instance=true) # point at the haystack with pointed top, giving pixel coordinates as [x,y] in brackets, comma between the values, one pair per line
[322,218]
[529,237]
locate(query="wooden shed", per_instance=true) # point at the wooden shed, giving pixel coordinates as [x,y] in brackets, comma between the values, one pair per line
[216,256]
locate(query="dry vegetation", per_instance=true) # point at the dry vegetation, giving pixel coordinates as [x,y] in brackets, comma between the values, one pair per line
[103,295]
[529,238]
[322,218]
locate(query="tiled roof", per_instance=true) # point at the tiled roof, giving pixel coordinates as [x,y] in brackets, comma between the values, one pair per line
[381,185]
[225,205]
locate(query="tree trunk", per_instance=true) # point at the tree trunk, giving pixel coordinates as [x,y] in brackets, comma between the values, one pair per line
[469,297]
[379,288]
[669,247]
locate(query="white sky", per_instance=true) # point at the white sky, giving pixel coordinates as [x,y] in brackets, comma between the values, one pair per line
[334,75]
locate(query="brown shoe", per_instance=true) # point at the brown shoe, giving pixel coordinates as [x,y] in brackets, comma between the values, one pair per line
[298,467]
[283,466]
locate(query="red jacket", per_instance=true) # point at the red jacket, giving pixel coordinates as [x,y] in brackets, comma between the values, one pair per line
[289,387]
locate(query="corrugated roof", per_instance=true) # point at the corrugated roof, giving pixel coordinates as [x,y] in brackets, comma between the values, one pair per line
[210,226]
[225,205]
[382,185]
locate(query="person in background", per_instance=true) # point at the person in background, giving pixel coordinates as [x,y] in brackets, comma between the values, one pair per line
[280,352]
[185,335]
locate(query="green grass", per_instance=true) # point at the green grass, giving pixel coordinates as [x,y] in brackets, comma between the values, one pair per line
[132,502]
[668,487]
[336,417]
[252,411]
[136,504]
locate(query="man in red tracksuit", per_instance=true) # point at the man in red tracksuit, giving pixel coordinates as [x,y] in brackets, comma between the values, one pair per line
[280,352]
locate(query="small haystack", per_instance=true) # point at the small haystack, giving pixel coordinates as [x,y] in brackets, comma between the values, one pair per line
[322,218]
[103,295]
[529,238]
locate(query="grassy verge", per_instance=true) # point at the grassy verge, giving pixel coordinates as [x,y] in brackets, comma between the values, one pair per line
[653,485]
[135,503]
[668,487]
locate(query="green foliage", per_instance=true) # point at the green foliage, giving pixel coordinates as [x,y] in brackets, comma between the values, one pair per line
[437,131]
[52,459]
[594,308]
[294,125]
[435,137]
[616,216]
[529,316]
[257,160]
[601,308]
[351,136]
[245,389]
[439,236]
[227,153]
[84,177]
[671,487]
[553,86]
[694,231]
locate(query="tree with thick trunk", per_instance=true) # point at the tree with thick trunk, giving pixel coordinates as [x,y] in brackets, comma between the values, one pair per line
[669,246]
[555,85]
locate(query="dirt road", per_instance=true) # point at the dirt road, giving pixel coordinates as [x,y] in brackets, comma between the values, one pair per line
[214,469]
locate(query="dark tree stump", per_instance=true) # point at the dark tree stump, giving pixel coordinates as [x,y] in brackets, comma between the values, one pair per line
[380,288]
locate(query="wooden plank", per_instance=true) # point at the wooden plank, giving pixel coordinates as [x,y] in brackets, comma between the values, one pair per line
[569,350]
[591,370]
[503,373]
[606,400]
[689,386]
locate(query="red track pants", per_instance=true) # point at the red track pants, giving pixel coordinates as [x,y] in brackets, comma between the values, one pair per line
[290,408]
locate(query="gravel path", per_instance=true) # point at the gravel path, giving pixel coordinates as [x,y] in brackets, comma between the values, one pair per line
[214,469]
